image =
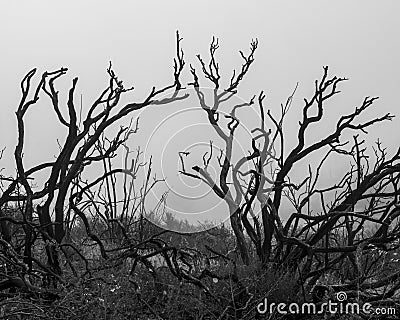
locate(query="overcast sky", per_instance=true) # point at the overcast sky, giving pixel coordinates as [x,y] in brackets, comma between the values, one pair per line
[356,39]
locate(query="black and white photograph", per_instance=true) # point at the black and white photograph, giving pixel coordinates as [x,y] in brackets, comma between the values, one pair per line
[199,160]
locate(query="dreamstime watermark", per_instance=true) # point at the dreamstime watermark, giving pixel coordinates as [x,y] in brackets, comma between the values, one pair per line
[340,306]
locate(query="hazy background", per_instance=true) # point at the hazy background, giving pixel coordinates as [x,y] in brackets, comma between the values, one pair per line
[357,39]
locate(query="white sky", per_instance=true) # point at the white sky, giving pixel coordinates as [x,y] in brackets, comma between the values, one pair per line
[357,39]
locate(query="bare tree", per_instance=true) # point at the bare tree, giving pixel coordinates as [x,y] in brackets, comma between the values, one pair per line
[44,211]
[307,242]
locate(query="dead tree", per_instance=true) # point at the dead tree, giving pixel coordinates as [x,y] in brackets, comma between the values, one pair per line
[305,243]
[44,210]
